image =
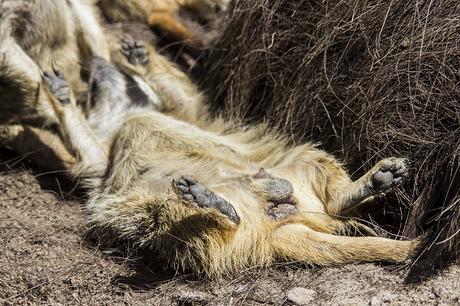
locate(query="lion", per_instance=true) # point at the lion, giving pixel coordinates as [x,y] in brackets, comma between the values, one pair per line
[202,194]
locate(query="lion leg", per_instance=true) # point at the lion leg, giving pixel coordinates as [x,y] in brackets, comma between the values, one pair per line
[112,93]
[91,157]
[382,178]
[21,93]
[179,234]
[168,24]
[92,39]
[295,242]
[334,187]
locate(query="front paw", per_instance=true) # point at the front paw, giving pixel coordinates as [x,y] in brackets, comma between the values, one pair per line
[57,86]
[135,52]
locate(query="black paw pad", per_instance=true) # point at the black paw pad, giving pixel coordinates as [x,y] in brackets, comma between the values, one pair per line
[390,172]
[190,190]
[135,52]
[58,86]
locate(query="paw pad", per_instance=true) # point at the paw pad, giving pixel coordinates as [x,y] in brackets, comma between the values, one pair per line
[389,173]
[58,86]
[193,192]
[135,52]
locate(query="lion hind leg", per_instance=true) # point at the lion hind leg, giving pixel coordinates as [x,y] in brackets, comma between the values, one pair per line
[182,235]
[297,242]
[384,177]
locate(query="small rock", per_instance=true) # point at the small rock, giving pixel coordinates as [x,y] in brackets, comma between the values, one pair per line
[192,297]
[75,296]
[300,296]
[68,281]
[382,297]
[375,300]
[242,288]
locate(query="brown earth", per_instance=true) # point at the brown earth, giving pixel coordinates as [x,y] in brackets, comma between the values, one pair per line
[46,260]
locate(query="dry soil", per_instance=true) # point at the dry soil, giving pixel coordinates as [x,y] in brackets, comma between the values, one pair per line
[45,259]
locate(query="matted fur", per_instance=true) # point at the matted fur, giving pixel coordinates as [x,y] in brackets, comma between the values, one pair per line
[44,35]
[131,170]
[133,155]
[366,78]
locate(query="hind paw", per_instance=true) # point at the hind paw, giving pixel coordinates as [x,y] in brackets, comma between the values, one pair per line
[193,192]
[134,52]
[387,174]
[58,86]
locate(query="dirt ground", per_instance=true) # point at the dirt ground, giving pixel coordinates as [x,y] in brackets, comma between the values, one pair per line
[46,260]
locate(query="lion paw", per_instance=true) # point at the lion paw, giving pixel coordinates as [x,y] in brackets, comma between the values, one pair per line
[387,174]
[135,52]
[58,86]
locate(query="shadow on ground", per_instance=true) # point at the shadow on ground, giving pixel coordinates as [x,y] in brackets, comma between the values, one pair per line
[46,260]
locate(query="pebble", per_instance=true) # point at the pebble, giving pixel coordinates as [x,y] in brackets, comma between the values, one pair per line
[383,297]
[192,297]
[300,296]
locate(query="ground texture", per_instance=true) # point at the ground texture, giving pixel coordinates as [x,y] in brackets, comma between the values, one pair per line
[46,260]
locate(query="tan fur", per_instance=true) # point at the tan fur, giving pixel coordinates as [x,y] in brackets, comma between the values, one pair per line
[134,198]
[164,77]
[136,201]
[128,158]
[47,35]
[140,10]
[44,35]
[164,16]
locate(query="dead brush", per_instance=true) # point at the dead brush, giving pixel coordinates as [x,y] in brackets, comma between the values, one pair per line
[366,78]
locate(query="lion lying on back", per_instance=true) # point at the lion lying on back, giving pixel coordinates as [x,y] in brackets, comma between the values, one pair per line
[200,193]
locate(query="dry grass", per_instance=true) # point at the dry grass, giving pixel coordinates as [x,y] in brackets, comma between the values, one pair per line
[369,79]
